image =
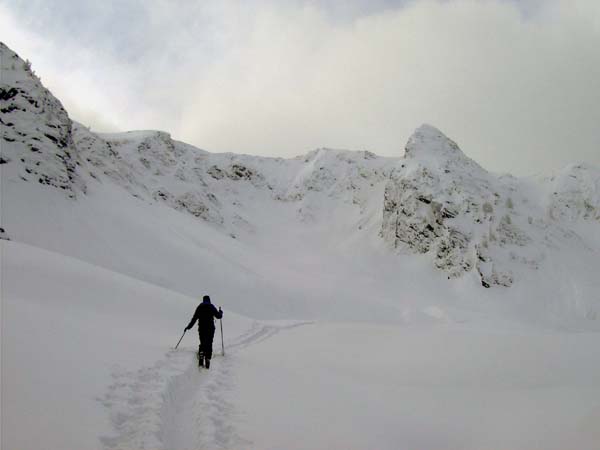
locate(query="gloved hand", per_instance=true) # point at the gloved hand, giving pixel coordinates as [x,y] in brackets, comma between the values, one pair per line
[186,328]
[220,310]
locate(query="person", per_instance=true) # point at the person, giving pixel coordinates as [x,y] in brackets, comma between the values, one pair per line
[205,314]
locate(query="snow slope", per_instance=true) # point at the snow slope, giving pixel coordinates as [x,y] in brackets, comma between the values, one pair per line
[361,386]
[107,242]
[97,345]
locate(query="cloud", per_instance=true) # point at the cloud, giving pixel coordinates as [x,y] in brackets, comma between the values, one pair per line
[514,82]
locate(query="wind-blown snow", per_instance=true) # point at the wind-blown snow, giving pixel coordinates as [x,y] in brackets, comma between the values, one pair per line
[108,241]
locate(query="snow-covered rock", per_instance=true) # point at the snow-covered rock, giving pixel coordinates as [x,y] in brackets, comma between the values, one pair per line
[574,193]
[441,202]
[152,166]
[36,140]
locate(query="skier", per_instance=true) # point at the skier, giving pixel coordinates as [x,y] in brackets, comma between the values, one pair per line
[205,314]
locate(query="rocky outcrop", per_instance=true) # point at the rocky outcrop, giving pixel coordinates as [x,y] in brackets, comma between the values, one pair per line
[440,202]
[574,193]
[150,165]
[36,140]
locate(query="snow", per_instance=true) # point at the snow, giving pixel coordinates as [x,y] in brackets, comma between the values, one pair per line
[353,287]
[98,344]
[357,386]
[94,343]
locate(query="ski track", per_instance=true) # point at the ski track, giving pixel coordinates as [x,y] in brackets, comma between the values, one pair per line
[174,405]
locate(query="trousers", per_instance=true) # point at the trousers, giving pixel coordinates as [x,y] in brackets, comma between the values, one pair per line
[206,341]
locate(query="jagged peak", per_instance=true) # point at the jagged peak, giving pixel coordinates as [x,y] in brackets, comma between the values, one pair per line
[428,140]
[429,147]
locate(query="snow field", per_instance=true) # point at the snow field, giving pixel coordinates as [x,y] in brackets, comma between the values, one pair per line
[462,373]
[357,386]
[86,359]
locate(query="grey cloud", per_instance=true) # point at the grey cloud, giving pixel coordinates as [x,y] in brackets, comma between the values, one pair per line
[513,81]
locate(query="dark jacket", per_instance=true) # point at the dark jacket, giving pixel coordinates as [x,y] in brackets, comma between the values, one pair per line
[205,314]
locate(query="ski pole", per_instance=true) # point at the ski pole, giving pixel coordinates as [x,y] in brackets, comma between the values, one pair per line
[222,344]
[180,339]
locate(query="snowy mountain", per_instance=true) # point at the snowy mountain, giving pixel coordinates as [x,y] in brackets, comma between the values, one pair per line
[214,187]
[436,200]
[379,267]
[441,202]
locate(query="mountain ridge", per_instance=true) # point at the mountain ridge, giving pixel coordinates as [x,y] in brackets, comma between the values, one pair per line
[436,200]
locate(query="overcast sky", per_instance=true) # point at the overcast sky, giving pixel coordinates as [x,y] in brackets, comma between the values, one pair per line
[515,82]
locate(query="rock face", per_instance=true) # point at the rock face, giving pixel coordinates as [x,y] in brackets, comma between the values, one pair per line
[442,203]
[220,188]
[151,166]
[36,139]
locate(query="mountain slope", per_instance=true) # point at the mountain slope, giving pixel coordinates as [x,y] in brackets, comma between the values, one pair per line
[37,144]
[333,232]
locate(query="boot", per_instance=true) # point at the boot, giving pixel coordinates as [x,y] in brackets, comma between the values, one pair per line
[207,362]
[200,359]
